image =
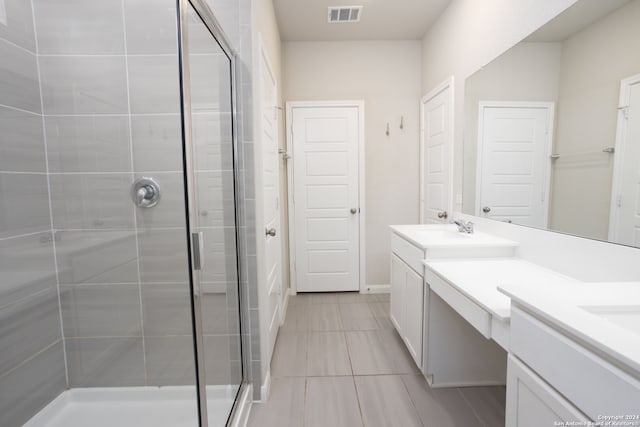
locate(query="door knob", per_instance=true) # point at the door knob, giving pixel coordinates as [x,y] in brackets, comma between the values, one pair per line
[443,215]
[271,232]
[354,211]
[486,209]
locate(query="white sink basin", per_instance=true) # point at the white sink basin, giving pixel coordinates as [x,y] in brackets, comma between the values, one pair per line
[443,234]
[447,235]
[443,237]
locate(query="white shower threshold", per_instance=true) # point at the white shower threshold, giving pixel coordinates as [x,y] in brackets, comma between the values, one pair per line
[172,406]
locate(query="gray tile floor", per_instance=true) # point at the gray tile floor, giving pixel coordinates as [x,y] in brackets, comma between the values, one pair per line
[339,362]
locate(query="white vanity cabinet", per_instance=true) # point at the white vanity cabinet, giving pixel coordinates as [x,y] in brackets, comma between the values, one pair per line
[531,402]
[441,343]
[407,305]
[553,377]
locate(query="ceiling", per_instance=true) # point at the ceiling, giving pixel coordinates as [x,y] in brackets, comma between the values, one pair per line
[306,20]
[574,19]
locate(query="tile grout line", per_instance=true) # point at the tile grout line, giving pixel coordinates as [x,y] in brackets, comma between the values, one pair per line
[413,404]
[353,377]
[22,173]
[24,49]
[9,107]
[306,371]
[22,236]
[30,358]
[52,231]
[132,175]
[473,409]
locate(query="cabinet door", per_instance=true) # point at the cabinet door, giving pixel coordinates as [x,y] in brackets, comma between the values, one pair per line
[412,326]
[531,402]
[398,283]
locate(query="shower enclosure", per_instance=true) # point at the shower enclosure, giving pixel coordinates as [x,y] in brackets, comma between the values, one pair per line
[119,284]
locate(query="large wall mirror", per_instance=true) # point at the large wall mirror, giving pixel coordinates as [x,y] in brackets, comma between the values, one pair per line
[552,127]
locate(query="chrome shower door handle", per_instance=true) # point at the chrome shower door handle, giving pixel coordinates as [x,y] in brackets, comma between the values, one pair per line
[145,192]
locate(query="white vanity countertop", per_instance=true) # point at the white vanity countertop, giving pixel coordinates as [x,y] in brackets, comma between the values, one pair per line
[604,316]
[478,280]
[447,236]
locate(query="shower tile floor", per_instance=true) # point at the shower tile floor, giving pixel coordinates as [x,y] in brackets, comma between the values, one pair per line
[339,362]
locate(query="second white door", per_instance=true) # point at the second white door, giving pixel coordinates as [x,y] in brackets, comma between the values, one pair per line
[436,155]
[326,197]
[272,295]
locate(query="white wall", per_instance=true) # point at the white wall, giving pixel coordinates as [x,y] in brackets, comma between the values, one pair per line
[386,75]
[470,34]
[593,63]
[527,72]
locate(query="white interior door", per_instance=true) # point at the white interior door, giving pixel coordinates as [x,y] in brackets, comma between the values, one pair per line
[271,202]
[513,175]
[436,155]
[625,210]
[325,197]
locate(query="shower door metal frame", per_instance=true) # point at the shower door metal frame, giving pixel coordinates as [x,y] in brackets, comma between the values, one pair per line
[214,27]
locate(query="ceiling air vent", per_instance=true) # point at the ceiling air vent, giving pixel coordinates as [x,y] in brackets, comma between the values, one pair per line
[340,14]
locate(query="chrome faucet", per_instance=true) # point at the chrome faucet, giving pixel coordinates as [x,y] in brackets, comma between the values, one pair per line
[464,226]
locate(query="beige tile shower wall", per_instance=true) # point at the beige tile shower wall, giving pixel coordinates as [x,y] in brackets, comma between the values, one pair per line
[32,366]
[470,34]
[386,75]
[110,89]
[598,58]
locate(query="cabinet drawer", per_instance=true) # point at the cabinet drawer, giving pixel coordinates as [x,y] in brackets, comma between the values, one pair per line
[532,402]
[469,310]
[591,383]
[410,254]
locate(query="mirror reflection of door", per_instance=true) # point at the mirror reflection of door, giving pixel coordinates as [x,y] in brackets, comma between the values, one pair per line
[577,60]
[624,225]
[513,170]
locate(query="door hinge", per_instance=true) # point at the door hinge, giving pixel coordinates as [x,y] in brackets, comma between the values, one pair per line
[625,111]
[619,200]
[542,196]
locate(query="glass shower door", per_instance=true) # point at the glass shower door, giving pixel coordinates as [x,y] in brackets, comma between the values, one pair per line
[207,66]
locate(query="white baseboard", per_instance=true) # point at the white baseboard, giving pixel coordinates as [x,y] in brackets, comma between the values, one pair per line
[376,289]
[266,387]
